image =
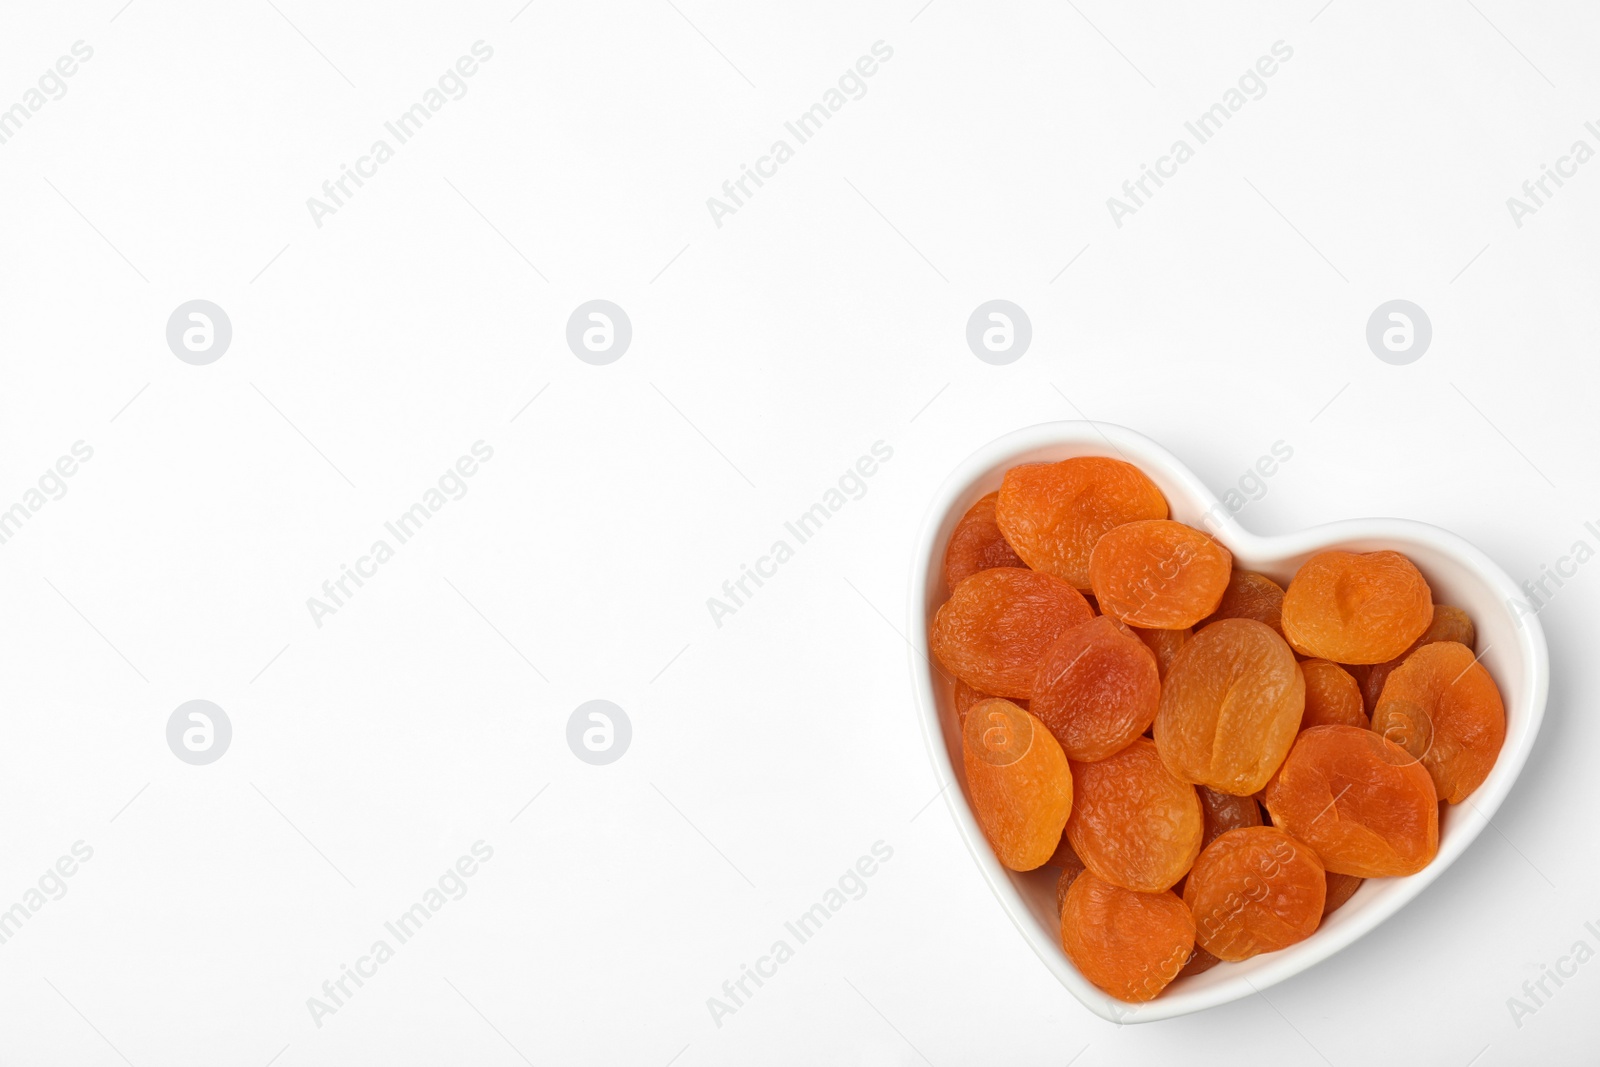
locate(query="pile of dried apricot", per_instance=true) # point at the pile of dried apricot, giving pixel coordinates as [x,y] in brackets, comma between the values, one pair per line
[1213,760]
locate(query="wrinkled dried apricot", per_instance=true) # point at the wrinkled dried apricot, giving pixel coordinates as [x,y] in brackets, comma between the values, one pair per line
[1332,696]
[1132,822]
[1341,887]
[1250,596]
[1254,890]
[1064,857]
[965,696]
[1052,514]
[1224,812]
[1071,866]
[977,544]
[1220,813]
[1353,607]
[1230,707]
[1127,943]
[1360,801]
[1159,573]
[1164,644]
[1019,782]
[1096,689]
[1449,624]
[997,623]
[1441,706]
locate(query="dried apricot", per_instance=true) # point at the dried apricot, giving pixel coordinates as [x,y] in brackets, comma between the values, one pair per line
[1254,890]
[1019,782]
[1071,866]
[1064,857]
[1230,707]
[1132,822]
[1360,801]
[1251,596]
[1332,696]
[1441,706]
[965,696]
[1200,961]
[1159,573]
[1052,514]
[977,544]
[1164,644]
[1341,887]
[1129,944]
[997,623]
[1220,813]
[1356,607]
[1449,624]
[1096,689]
[1224,812]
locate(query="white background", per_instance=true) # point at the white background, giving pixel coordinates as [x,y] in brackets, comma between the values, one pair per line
[768,354]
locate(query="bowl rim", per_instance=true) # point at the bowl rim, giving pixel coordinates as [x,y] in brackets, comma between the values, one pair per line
[1082,437]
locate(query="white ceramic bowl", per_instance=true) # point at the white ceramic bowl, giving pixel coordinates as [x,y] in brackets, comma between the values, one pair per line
[1513,650]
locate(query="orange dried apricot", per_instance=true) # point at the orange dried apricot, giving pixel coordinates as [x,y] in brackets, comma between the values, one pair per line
[1019,782]
[1071,866]
[965,696]
[1360,801]
[1132,822]
[1332,696]
[1224,812]
[1159,573]
[997,623]
[1356,607]
[977,544]
[1220,813]
[1341,887]
[1096,689]
[1064,857]
[1230,707]
[1163,644]
[1052,514]
[1449,624]
[1200,961]
[1127,943]
[1255,890]
[1441,706]
[1251,596]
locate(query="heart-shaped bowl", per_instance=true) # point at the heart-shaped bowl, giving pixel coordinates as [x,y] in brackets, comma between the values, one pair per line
[1512,649]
